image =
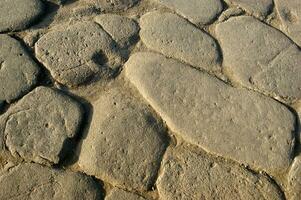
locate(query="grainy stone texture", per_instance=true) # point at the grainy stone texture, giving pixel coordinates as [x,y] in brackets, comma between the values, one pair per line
[258,8]
[122,29]
[199,12]
[19,14]
[125,142]
[294,180]
[40,124]
[261,57]
[235,123]
[18,72]
[113,5]
[190,175]
[75,53]
[290,16]
[174,37]
[34,182]
[118,194]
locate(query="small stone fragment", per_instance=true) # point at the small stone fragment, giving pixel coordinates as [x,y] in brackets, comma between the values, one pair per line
[257,8]
[19,14]
[231,122]
[229,13]
[40,124]
[191,175]
[118,194]
[122,29]
[174,37]
[75,53]
[113,5]
[294,180]
[290,16]
[18,72]
[261,57]
[32,181]
[125,142]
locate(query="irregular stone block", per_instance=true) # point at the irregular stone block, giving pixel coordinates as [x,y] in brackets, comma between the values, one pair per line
[231,122]
[294,180]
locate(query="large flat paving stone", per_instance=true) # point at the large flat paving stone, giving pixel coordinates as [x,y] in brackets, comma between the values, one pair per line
[260,57]
[34,182]
[199,12]
[113,5]
[190,175]
[231,122]
[75,53]
[18,72]
[19,14]
[294,180]
[290,16]
[257,8]
[40,124]
[125,142]
[122,29]
[118,194]
[174,37]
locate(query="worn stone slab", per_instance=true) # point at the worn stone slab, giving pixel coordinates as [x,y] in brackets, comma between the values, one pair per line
[19,14]
[118,194]
[73,54]
[199,12]
[261,57]
[18,72]
[257,8]
[122,29]
[32,181]
[290,16]
[174,37]
[294,180]
[39,126]
[125,142]
[191,175]
[231,122]
[113,5]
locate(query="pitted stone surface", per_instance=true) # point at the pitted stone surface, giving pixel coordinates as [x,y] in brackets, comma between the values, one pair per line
[122,29]
[261,57]
[125,142]
[34,182]
[290,16]
[19,14]
[40,124]
[75,53]
[118,194]
[113,5]
[174,37]
[189,175]
[258,8]
[199,12]
[294,180]
[18,72]
[235,123]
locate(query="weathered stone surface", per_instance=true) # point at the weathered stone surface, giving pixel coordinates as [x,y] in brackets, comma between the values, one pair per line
[118,194]
[174,37]
[18,14]
[122,29]
[191,175]
[18,72]
[75,53]
[199,12]
[235,123]
[34,182]
[294,180]
[290,15]
[125,142]
[113,5]
[40,124]
[258,8]
[259,56]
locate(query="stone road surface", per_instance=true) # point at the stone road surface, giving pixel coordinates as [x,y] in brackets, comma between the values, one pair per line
[150,99]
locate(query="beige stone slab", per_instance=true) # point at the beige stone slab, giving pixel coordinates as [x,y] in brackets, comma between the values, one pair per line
[175,37]
[231,122]
[294,180]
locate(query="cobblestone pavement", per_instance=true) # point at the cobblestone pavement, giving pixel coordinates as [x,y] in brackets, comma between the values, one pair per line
[150,99]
